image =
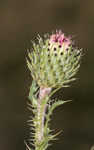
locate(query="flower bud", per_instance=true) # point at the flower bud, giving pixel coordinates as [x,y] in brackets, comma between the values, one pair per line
[54,60]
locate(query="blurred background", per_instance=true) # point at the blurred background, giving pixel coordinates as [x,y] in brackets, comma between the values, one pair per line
[20,21]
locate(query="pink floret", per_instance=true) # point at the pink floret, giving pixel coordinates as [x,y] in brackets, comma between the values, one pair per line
[60,38]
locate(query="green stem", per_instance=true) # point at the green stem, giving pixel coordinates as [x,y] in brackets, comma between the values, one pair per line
[40,117]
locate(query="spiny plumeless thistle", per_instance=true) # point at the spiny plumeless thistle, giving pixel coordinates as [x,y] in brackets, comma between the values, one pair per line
[53,62]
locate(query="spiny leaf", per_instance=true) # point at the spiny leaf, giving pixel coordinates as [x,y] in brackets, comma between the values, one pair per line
[50,111]
[27,147]
[33,89]
[54,105]
[52,137]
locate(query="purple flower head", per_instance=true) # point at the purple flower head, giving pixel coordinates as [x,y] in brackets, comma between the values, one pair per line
[60,39]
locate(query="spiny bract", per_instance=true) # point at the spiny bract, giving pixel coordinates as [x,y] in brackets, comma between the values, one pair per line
[54,60]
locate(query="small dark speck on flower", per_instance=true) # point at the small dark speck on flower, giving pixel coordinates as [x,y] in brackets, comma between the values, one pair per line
[55,54]
[60,46]
[61,53]
[54,48]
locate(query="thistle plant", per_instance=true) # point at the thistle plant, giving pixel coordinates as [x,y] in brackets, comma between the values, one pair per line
[53,62]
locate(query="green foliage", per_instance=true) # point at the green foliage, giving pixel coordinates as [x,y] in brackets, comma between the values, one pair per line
[33,94]
[51,109]
[36,121]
